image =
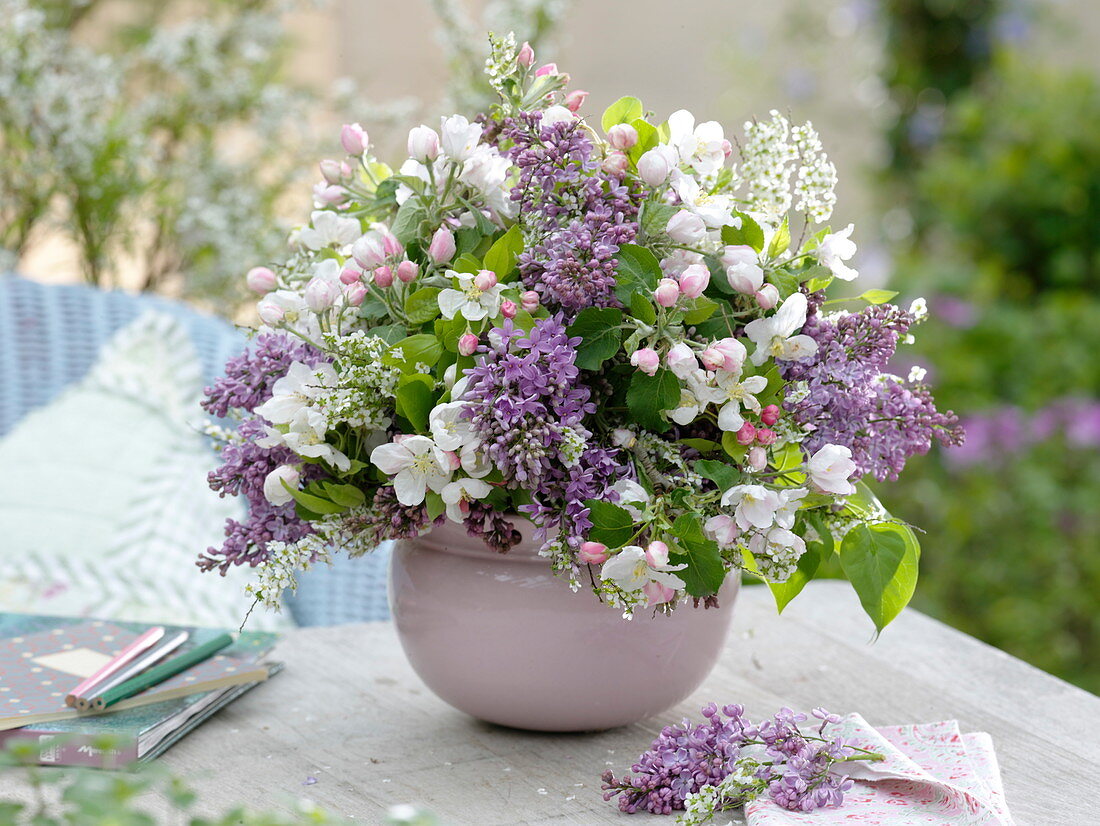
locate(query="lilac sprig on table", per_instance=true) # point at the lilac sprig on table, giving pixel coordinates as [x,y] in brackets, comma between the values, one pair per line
[726,761]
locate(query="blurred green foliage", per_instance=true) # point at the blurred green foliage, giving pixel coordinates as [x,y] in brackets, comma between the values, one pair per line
[1007,250]
[88,797]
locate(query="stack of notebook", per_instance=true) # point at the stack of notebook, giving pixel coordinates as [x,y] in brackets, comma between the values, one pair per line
[43,659]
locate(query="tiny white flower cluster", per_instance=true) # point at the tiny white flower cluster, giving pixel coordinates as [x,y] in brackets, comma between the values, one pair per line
[361,398]
[817,177]
[501,62]
[279,572]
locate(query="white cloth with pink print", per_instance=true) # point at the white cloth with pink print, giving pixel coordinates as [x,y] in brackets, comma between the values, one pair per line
[932,774]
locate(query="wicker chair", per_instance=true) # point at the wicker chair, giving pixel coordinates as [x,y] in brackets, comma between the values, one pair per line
[50,336]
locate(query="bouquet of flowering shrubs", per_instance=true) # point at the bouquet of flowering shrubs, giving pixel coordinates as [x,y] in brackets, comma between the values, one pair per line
[616,330]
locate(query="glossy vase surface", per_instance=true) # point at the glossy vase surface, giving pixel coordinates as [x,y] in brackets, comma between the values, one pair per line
[502,638]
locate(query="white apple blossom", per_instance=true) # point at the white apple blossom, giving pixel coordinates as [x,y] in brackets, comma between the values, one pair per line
[274,490]
[474,461]
[299,388]
[557,114]
[696,393]
[755,505]
[789,502]
[830,468]
[630,495]
[738,393]
[834,250]
[681,360]
[631,571]
[305,434]
[468,300]
[743,270]
[722,529]
[450,429]
[701,147]
[777,552]
[716,211]
[417,464]
[775,337]
[458,494]
[328,229]
[458,137]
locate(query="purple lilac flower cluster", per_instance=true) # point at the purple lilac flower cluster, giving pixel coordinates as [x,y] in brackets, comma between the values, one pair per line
[250,376]
[577,213]
[244,467]
[386,518]
[795,769]
[525,401]
[491,527]
[849,401]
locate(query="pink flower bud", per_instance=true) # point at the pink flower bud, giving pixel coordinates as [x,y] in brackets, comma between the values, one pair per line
[548,69]
[270,312]
[423,144]
[733,351]
[320,294]
[383,276]
[368,251]
[330,194]
[353,138]
[747,434]
[686,227]
[765,437]
[694,280]
[407,271]
[727,148]
[723,530]
[526,55]
[757,458]
[622,136]
[260,280]
[655,166]
[712,359]
[593,553]
[658,594]
[453,460]
[529,300]
[575,99]
[390,245]
[646,360]
[767,296]
[355,293]
[332,171]
[770,414]
[656,554]
[508,308]
[667,292]
[350,276]
[616,163]
[442,248]
[467,344]
[485,280]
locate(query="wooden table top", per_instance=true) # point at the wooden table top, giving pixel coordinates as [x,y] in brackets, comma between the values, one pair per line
[350,726]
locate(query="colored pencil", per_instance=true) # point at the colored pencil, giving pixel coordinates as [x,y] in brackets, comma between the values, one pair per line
[144,642]
[139,665]
[159,673]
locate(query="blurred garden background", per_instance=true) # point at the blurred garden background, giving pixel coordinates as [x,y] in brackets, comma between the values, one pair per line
[170,146]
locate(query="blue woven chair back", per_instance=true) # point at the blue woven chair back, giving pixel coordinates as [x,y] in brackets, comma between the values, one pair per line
[50,336]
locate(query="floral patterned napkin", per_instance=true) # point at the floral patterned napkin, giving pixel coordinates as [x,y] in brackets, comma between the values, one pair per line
[932,774]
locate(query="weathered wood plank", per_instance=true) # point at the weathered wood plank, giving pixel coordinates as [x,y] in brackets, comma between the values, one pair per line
[349,712]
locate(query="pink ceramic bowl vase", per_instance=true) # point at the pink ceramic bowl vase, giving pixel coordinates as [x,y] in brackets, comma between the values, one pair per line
[499,637]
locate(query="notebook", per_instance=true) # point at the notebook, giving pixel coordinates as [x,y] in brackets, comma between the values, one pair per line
[42,658]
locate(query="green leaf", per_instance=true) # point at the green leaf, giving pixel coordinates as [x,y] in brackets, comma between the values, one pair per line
[721,323]
[808,565]
[705,572]
[781,241]
[347,495]
[702,445]
[819,282]
[647,139]
[734,449]
[423,305]
[704,308]
[648,396]
[315,504]
[641,307]
[469,264]
[423,347]
[449,330]
[878,296]
[718,472]
[624,110]
[787,458]
[415,401]
[881,563]
[466,241]
[434,504]
[598,328]
[406,225]
[638,270]
[611,525]
[501,257]
[749,234]
[655,217]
